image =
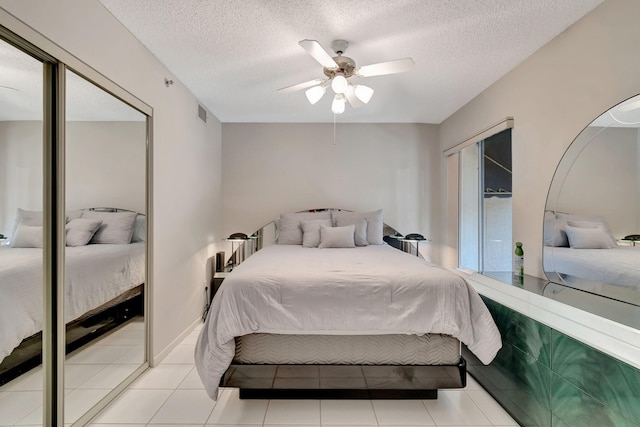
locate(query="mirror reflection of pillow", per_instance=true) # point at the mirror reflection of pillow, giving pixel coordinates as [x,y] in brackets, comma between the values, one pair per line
[80,231]
[27,236]
[116,227]
[589,238]
[554,235]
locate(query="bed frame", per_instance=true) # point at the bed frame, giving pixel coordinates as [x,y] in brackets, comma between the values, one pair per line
[287,381]
[257,381]
[79,332]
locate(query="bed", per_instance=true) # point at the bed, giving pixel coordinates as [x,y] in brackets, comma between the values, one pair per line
[363,321]
[98,277]
[581,251]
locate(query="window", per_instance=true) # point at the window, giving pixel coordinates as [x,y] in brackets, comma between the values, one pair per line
[485,204]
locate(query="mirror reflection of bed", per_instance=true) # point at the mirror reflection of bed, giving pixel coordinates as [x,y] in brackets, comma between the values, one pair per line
[326,304]
[103,282]
[594,206]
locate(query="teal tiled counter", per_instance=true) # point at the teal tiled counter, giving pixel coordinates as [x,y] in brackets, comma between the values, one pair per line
[543,377]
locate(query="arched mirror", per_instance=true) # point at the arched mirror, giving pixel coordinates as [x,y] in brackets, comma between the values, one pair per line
[592,216]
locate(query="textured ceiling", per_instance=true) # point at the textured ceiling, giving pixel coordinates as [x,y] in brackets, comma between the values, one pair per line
[235,54]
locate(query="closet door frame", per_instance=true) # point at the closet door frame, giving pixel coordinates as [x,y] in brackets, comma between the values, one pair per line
[56,61]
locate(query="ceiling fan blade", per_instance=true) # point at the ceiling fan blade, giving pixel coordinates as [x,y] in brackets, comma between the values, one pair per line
[389,67]
[318,53]
[300,86]
[350,94]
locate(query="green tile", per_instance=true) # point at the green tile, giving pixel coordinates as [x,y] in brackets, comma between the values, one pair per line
[526,334]
[613,383]
[518,383]
[574,408]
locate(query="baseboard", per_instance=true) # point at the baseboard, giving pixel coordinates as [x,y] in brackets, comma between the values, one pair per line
[168,349]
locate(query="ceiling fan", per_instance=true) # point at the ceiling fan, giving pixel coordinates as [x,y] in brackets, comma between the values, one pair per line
[337,70]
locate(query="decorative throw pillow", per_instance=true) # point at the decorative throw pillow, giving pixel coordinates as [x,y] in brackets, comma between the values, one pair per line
[374,223]
[337,237]
[116,228]
[289,229]
[79,231]
[360,236]
[311,231]
[589,238]
[27,236]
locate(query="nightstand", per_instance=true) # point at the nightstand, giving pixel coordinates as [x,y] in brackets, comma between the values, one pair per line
[218,278]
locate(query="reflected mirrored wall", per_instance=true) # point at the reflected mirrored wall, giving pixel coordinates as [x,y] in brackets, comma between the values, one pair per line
[103,328]
[592,217]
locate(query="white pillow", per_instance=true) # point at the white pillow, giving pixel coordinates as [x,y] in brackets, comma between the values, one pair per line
[589,238]
[79,231]
[374,223]
[116,228]
[554,234]
[27,236]
[337,237]
[27,218]
[289,230]
[139,229]
[311,231]
[360,236]
[583,220]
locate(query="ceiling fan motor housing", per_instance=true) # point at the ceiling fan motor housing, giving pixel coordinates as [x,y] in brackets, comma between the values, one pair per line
[346,67]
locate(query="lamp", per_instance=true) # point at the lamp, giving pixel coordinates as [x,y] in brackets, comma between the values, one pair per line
[338,104]
[237,256]
[339,84]
[315,93]
[363,93]
[357,95]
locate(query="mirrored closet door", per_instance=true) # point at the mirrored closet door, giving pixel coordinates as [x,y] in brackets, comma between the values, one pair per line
[74,203]
[105,180]
[21,239]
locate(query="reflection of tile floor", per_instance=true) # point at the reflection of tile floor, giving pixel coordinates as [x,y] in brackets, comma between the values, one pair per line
[171,395]
[90,373]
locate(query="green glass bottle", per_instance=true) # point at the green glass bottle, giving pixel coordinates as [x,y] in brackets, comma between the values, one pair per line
[518,262]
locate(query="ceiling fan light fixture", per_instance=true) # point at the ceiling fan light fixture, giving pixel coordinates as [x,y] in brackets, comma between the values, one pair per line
[315,93]
[339,84]
[363,93]
[338,104]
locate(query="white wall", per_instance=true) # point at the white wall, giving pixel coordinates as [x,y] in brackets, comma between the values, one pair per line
[275,168]
[552,95]
[186,153]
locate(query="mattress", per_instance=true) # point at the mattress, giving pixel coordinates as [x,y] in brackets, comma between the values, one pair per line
[428,349]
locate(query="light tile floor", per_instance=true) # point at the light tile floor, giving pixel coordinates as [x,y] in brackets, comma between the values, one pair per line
[172,395]
[90,373]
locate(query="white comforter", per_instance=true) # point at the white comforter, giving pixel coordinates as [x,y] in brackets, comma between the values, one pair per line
[95,274]
[618,266]
[371,290]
